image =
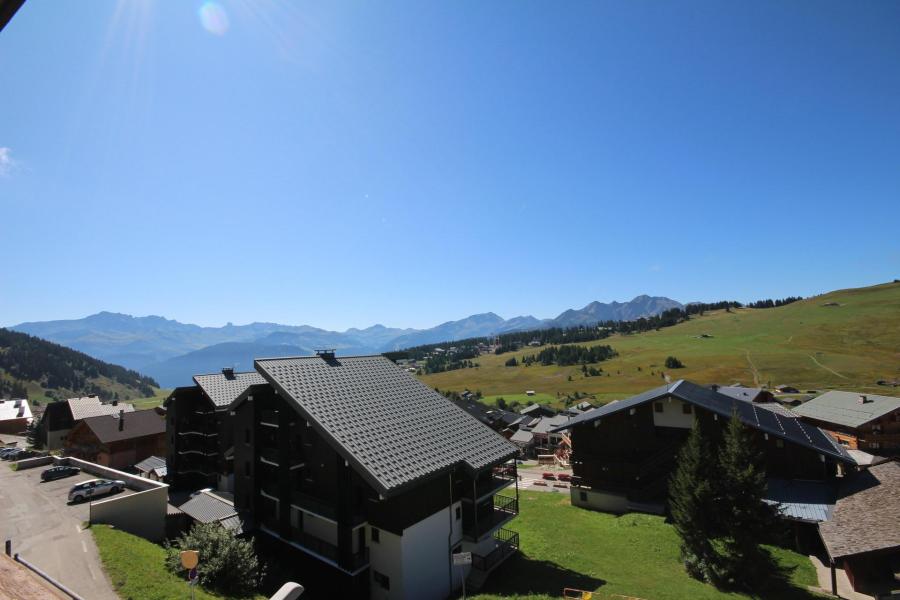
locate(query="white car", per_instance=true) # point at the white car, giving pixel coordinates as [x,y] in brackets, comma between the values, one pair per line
[94,488]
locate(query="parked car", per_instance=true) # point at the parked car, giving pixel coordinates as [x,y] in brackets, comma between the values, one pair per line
[13,454]
[94,488]
[564,477]
[59,472]
[6,451]
[549,476]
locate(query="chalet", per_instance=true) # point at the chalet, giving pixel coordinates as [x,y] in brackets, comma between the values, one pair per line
[859,421]
[199,430]
[118,441]
[366,480]
[863,534]
[537,410]
[60,417]
[207,506]
[624,452]
[15,416]
[152,467]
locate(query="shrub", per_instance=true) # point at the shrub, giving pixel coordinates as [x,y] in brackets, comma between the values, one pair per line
[673,363]
[512,362]
[227,563]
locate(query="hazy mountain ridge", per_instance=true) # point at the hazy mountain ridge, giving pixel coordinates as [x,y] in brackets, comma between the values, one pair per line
[172,352]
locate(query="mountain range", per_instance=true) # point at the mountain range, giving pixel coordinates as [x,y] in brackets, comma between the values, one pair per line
[171,352]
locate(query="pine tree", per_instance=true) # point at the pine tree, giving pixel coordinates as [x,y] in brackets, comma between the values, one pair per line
[692,505]
[746,517]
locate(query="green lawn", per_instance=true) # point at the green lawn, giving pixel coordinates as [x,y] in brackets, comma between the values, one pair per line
[632,555]
[845,340]
[136,568]
[523,399]
[153,401]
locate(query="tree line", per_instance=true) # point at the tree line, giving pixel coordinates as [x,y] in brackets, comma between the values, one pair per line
[570,355]
[28,358]
[769,303]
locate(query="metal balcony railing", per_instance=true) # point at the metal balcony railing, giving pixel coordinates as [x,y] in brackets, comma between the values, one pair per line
[478,523]
[507,545]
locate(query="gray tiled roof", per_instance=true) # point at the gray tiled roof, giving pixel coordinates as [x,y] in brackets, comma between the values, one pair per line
[809,501]
[91,406]
[150,463]
[394,428]
[206,508]
[522,437]
[222,390]
[139,423]
[844,408]
[740,393]
[766,420]
[867,513]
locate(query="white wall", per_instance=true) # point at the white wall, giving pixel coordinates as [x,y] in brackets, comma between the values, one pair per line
[673,414]
[602,501]
[417,562]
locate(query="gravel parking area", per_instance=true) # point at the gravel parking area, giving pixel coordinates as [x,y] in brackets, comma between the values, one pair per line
[47,530]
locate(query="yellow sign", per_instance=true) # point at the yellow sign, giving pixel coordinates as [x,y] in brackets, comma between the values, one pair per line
[189,558]
[587,595]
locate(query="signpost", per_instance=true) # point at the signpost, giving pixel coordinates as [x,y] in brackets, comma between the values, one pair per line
[460,560]
[189,560]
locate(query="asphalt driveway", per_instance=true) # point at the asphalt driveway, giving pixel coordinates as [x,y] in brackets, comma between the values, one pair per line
[47,531]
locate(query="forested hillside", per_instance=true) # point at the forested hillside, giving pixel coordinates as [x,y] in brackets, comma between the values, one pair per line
[39,369]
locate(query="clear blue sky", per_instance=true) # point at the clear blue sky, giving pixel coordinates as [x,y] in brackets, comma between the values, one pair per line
[342,164]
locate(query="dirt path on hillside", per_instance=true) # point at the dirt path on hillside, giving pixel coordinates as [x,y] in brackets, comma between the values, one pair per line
[752,368]
[830,370]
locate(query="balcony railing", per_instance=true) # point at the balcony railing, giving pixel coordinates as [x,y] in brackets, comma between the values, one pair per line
[328,550]
[313,504]
[504,509]
[268,417]
[489,486]
[270,455]
[507,545]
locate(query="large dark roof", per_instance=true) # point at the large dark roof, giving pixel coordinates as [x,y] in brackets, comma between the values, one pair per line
[224,390]
[753,415]
[866,517]
[136,424]
[394,429]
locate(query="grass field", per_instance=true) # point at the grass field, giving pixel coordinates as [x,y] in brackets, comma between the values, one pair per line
[846,340]
[632,555]
[523,399]
[136,569]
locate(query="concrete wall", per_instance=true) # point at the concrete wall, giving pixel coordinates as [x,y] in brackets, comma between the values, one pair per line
[142,513]
[673,414]
[602,501]
[425,551]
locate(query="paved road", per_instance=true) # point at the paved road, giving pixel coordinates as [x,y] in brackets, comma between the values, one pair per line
[529,476]
[47,531]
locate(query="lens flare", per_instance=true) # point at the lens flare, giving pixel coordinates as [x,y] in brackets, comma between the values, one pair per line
[213,18]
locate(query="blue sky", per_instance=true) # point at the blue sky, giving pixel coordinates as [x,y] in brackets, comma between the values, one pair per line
[342,164]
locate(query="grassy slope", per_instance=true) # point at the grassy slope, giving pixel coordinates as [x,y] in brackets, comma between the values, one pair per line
[136,568]
[804,344]
[634,555]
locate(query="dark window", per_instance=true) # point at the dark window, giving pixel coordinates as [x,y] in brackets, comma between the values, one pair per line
[658,407]
[376,536]
[458,549]
[583,496]
[687,408]
[381,579]
[458,512]
[246,436]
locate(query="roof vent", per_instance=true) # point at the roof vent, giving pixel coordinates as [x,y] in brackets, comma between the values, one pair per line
[228,372]
[862,399]
[326,354]
[714,387]
[121,420]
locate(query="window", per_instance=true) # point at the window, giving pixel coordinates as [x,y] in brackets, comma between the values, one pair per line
[458,549]
[658,407]
[583,496]
[246,436]
[779,443]
[376,537]
[381,579]
[687,408]
[458,512]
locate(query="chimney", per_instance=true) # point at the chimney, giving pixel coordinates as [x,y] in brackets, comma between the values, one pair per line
[228,372]
[714,387]
[862,399]
[327,354]
[121,419]
[115,402]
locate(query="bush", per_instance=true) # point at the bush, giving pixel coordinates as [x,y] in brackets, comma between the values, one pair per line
[227,563]
[673,363]
[512,362]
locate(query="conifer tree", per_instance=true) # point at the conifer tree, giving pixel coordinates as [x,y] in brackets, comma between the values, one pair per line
[692,504]
[745,518]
